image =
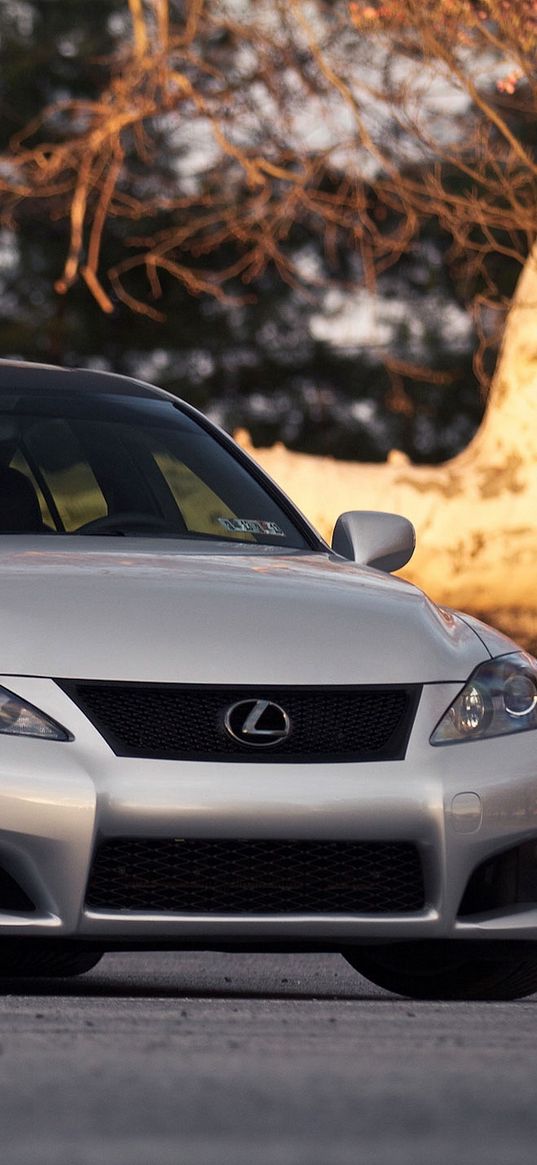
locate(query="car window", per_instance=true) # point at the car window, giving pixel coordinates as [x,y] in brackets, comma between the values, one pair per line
[129,466]
[200,506]
[65,472]
[19,462]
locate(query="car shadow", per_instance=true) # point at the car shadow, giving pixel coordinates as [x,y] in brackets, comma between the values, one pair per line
[95,989]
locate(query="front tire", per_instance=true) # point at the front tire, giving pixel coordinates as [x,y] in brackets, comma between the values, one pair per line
[447,970]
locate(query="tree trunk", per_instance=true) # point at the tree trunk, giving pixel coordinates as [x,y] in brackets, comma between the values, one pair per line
[476,515]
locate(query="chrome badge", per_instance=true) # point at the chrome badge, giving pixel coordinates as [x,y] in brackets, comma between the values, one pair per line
[260,723]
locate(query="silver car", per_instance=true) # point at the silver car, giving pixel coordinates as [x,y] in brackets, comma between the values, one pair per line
[218,732]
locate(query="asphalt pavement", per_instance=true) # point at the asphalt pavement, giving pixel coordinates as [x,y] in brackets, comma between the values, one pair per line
[219,1059]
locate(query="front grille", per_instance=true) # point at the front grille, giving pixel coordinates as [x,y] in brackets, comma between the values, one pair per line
[171,721]
[183,875]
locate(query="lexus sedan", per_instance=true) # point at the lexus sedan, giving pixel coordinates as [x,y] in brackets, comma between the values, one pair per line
[219,732]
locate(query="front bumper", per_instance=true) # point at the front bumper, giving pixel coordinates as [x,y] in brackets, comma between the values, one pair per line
[460,805]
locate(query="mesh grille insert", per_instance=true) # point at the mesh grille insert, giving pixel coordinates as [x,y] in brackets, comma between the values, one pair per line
[171,721]
[184,875]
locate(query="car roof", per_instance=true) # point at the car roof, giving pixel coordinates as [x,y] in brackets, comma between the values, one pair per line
[24,376]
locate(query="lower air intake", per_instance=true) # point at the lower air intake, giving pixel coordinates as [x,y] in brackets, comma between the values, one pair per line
[185,875]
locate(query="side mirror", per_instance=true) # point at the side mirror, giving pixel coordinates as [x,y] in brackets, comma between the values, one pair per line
[384,541]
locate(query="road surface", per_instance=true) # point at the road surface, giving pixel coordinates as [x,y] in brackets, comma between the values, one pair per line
[220,1059]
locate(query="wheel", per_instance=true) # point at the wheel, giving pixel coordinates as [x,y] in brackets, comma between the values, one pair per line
[445,970]
[20,960]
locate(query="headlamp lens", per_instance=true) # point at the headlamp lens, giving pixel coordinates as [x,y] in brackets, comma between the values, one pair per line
[520,694]
[472,710]
[18,718]
[499,699]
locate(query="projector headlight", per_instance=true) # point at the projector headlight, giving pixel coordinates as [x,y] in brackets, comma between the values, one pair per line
[500,698]
[20,719]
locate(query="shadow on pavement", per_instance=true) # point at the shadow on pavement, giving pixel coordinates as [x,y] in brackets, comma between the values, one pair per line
[95,988]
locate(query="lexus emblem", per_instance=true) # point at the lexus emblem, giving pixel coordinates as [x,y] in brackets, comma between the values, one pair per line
[257,722]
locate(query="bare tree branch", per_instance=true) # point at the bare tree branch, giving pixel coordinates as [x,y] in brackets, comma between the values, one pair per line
[303,114]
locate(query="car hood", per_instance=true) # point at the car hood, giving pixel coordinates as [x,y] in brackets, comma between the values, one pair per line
[212,613]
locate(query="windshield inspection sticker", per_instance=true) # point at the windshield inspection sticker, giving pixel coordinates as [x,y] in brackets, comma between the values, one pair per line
[251,526]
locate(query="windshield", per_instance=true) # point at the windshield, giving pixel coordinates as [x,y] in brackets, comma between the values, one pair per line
[125,466]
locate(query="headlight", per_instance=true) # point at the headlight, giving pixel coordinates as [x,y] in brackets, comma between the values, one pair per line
[20,719]
[499,698]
